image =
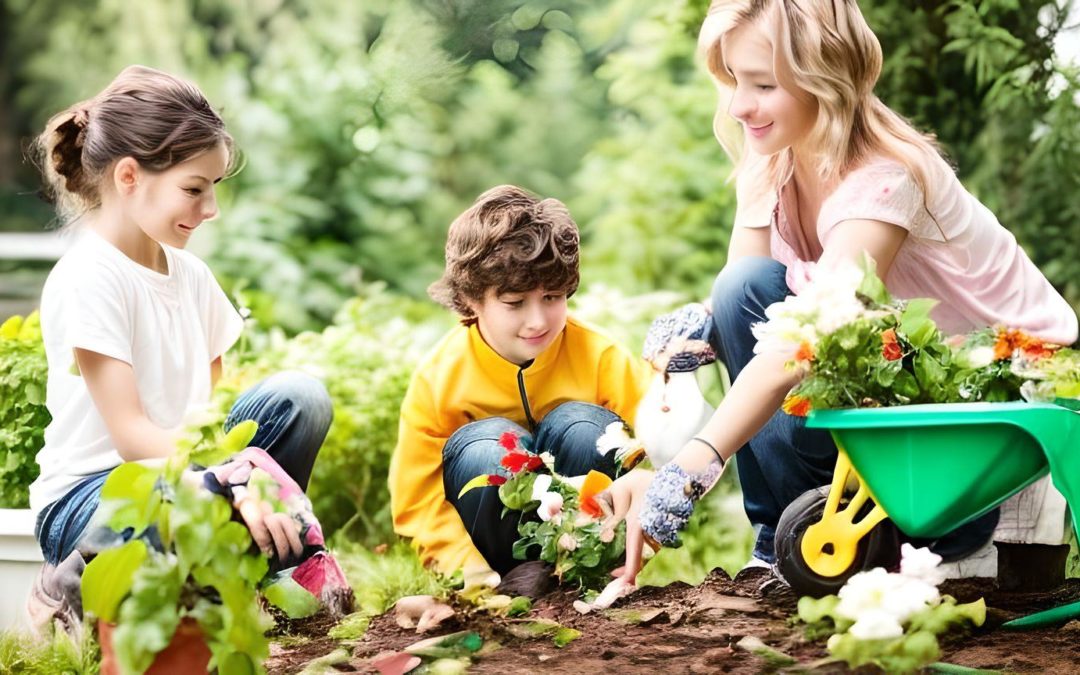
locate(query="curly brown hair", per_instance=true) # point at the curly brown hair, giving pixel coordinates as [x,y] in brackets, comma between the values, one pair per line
[512,241]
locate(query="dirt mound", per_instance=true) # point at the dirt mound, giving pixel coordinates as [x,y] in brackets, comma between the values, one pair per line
[721,626]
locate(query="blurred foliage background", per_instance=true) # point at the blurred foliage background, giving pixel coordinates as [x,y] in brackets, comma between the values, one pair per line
[368,126]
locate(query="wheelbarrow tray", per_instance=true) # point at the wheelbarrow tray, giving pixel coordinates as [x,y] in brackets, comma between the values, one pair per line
[935,467]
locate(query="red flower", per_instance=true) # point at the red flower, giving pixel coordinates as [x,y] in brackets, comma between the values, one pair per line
[797,406]
[509,440]
[516,462]
[496,479]
[590,507]
[890,347]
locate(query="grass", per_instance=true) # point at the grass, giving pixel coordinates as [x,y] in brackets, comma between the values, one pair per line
[23,654]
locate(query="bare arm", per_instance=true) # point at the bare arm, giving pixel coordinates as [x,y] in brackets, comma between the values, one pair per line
[111,383]
[762,385]
[748,242]
[756,394]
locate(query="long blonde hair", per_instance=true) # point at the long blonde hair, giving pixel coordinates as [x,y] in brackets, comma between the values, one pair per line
[824,48]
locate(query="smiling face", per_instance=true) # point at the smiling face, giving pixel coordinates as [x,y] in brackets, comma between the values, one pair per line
[169,205]
[773,117]
[520,326]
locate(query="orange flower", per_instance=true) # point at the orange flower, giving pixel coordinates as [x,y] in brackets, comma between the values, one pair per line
[805,352]
[595,483]
[1009,340]
[798,406]
[890,347]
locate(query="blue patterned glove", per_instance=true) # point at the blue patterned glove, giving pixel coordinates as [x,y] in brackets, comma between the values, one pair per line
[670,499]
[685,332]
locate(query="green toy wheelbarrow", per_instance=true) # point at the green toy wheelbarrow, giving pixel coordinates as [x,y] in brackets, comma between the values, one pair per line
[922,470]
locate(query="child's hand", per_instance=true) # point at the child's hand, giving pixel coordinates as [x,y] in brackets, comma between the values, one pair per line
[622,501]
[274,533]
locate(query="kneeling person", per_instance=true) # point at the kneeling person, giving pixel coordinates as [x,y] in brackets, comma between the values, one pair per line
[517,363]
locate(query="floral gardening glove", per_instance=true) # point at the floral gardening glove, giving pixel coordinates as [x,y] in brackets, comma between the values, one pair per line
[670,499]
[678,342]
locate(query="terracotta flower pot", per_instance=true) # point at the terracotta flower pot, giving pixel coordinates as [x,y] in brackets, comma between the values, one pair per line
[187,653]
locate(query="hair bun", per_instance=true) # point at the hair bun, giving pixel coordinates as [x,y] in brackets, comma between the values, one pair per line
[67,152]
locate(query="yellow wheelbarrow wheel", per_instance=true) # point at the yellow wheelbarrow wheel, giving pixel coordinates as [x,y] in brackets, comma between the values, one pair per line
[824,537]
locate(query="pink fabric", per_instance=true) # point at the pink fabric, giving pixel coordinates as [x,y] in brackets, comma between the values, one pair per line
[967,259]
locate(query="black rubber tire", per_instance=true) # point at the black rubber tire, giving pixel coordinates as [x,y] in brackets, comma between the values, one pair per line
[879,548]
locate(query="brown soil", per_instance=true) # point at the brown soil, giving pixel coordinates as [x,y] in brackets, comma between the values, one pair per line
[685,629]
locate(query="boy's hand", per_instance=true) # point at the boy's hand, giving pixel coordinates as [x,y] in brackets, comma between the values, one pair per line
[274,533]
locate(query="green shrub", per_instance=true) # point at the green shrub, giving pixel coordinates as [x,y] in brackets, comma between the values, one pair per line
[23,416]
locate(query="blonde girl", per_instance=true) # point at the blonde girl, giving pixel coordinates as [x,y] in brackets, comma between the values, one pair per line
[825,172]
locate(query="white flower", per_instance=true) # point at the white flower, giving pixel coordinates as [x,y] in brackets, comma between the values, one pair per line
[551,504]
[541,484]
[825,304]
[567,543]
[876,625]
[898,595]
[921,564]
[613,438]
[1038,392]
[979,357]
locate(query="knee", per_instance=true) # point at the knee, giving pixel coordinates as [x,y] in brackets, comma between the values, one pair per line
[306,392]
[574,413]
[489,429]
[743,279]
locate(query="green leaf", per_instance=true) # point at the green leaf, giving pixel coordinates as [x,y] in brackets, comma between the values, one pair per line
[872,287]
[916,324]
[130,492]
[290,597]
[516,493]
[565,636]
[108,578]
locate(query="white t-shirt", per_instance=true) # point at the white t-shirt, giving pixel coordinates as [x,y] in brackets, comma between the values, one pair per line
[169,327]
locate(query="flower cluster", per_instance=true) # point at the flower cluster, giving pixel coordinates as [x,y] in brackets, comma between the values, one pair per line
[890,620]
[562,520]
[859,347]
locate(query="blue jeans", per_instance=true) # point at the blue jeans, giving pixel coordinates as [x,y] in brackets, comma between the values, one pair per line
[293,411]
[785,458]
[569,433]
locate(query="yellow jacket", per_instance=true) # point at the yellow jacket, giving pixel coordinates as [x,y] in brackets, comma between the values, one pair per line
[462,380]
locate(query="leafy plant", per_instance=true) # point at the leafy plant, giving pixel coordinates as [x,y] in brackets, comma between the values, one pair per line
[560,523]
[890,620]
[858,347]
[186,557]
[23,416]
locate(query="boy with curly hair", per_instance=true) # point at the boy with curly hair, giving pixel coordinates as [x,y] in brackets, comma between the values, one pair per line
[516,363]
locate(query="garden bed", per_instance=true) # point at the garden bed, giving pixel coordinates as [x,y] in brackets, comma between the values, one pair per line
[720,626]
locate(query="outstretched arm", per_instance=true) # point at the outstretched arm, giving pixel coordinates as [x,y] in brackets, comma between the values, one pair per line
[758,392]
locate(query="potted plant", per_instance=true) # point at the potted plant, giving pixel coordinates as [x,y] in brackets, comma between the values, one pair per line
[186,583]
[23,419]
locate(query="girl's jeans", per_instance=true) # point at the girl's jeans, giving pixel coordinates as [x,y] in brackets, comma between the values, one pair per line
[786,458]
[569,433]
[293,411]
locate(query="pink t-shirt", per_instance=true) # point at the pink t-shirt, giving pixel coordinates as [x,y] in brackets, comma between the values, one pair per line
[967,260]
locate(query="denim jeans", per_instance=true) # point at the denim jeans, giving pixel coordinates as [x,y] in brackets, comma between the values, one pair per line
[569,433]
[293,411]
[785,458]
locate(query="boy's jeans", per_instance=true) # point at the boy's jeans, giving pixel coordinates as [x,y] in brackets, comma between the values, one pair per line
[786,458]
[293,411]
[569,433]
